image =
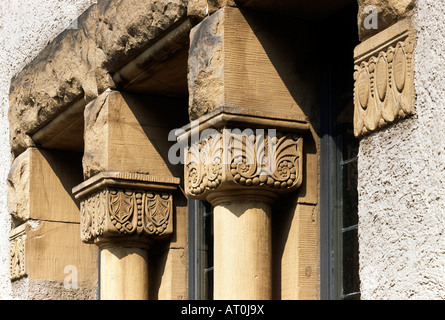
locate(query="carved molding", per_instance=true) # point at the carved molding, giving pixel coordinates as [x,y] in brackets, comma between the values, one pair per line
[226,161]
[132,207]
[17,240]
[122,212]
[384,79]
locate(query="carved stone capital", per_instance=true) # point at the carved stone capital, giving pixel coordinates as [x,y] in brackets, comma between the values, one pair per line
[238,155]
[384,78]
[128,208]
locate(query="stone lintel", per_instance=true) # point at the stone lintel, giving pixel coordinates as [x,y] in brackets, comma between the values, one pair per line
[126,209]
[384,78]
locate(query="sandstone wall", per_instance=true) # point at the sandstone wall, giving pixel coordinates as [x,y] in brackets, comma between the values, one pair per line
[26,28]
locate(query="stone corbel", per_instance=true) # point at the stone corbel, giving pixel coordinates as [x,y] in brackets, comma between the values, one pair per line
[236,153]
[126,208]
[384,78]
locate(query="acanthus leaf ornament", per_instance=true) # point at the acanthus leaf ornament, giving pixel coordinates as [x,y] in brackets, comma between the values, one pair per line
[231,158]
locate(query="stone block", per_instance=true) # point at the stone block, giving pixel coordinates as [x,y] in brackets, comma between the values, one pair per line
[129,133]
[125,27]
[64,72]
[171,275]
[297,255]
[237,59]
[53,260]
[40,183]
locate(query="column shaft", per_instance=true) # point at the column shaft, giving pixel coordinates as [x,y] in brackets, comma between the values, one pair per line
[123,274]
[242,251]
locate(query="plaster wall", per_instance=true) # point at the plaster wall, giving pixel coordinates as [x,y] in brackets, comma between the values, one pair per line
[401,182]
[26,27]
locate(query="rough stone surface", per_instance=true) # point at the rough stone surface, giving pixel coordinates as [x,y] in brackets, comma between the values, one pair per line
[26,28]
[60,75]
[18,188]
[77,65]
[26,289]
[401,183]
[206,66]
[389,12]
[126,26]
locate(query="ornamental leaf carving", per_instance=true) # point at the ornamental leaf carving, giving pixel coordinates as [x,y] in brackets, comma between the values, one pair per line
[122,210]
[114,212]
[384,83]
[267,160]
[17,257]
[157,212]
[244,158]
[204,164]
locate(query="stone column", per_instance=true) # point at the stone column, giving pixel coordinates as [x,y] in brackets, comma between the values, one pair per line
[123,213]
[240,165]
[127,198]
[242,75]
[243,250]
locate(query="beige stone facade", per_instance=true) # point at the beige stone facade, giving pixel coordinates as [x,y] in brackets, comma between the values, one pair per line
[100,188]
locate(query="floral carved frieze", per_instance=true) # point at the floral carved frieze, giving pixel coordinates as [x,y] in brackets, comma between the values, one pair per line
[384,79]
[115,206]
[17,253]
[234,152]
[253,159]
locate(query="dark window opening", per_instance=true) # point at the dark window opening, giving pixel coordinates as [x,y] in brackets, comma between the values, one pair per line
[200,250]
[339,156]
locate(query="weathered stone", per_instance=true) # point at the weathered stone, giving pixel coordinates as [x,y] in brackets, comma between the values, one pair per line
[198,9]
[388,13]
[206,66]
[214,5]
[125,27]
[78,64]
[61,74]
[45,256]
[39,186]
[26,289]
